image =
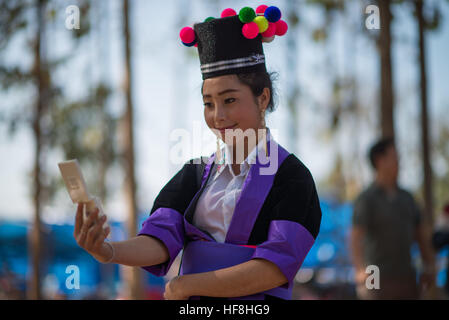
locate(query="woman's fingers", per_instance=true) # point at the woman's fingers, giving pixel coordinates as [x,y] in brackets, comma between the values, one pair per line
[101,237]
[85,228]
[81,239]
[94,232]
[78,220]
[80,227]
[91,218]
[106,231]
[89,232]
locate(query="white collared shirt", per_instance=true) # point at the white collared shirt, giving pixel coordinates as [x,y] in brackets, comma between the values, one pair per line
[215,207]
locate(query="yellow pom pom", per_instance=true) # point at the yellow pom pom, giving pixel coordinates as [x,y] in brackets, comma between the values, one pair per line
[262,23]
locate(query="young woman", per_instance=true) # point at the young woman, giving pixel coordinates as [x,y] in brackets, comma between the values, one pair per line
[246,225]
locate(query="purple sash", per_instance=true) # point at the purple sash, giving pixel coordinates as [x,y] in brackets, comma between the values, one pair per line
[203,256]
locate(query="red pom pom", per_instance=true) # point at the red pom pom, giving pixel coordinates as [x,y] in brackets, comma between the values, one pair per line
[271,31]
[281,27]
[187,35]
[229,12]
[196,45]
[250,30]
[260,10]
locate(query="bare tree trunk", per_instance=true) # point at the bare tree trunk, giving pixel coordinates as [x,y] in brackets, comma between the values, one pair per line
[34,237]
[428,194]
[135,283]
[102,36]
[386,77]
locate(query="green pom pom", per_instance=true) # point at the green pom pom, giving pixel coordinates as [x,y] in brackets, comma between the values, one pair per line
[247,14]
[209,19]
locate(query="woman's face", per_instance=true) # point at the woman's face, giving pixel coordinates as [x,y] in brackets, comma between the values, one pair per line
[229,104]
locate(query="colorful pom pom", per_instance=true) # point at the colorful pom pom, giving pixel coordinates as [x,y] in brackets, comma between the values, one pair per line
[271,31]
[187,35]
[209,19]
[262,23]
[247,14]
[261,9]
[281,27]
[250,30]
[229,12]
[272,14]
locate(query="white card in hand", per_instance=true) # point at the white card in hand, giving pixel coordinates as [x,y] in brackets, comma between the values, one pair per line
[74,181]
[76,186]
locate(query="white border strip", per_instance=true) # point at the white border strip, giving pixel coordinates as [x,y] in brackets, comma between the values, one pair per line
[237,65]
[233,63]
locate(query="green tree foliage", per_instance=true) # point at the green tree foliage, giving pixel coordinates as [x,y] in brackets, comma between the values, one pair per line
[81,129]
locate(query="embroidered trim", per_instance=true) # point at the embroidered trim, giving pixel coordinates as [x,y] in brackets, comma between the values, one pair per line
[233,63]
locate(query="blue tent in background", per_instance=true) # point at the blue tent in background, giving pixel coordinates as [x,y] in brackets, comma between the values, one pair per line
[330,247]
[61,251]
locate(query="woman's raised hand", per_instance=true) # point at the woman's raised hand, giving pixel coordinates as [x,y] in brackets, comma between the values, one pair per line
[90,234]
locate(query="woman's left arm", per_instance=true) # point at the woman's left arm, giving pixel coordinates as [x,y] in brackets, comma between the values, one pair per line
[253,276]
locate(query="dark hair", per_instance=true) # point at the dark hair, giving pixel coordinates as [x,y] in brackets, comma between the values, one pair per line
[257,81]
[379,148]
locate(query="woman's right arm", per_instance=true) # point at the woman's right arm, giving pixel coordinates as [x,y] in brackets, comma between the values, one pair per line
[137,251]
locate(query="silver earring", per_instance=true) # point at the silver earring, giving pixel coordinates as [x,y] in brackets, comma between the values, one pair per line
[219,152]
[264,136]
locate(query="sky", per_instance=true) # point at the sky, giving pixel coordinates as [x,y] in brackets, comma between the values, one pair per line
[167,96]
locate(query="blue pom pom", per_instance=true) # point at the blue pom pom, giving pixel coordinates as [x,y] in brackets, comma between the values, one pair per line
[272,14]
[191,44]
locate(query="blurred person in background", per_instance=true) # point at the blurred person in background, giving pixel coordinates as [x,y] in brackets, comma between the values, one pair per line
[440,240]
[386,222]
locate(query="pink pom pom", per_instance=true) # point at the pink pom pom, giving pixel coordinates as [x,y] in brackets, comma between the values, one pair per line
[187,35]
[196,45]
[250,30]
[229,12]
[271,31]
[281,27]
[260,10]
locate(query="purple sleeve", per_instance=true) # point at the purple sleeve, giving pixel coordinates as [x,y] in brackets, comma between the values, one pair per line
[167,225]
[287,246]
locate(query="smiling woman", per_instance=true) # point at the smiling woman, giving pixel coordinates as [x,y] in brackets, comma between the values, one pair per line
[245,224]
[236,92]
[230,105]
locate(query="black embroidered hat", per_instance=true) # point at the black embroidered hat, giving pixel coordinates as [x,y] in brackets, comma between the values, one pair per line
[224,50]
[232,44]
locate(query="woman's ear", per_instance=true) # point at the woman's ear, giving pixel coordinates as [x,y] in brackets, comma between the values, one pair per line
[264,99]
